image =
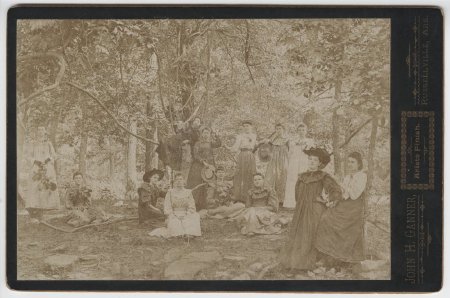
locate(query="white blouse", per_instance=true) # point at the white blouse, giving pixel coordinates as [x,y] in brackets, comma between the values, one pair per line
[354,185]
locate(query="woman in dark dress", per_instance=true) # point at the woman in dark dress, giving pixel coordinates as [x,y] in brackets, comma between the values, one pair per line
[340,232]
[299,252]
[203,156]
[261,206]
[149,192]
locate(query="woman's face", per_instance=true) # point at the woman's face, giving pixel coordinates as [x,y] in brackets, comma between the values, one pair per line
[352,164]
[178,182]
[247,127]
[258,181]
[154,179]
[206,134]
[313,163]
[279,130]
[301,131]
[220,174]
[78,179]
[196,122]
[41,133]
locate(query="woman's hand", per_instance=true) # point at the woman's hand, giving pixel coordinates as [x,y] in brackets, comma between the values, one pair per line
[331,204]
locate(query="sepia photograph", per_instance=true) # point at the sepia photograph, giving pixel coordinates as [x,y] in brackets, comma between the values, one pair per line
[203,149]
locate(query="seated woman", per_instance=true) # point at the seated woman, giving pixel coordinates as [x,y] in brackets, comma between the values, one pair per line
[220,202]
[258,217]
[179,207]
[78,200]
[149,192]
[340,231]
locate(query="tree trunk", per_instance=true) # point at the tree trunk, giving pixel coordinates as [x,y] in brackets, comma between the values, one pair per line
[347,135]
[131,157]
[109,143]
[83,145]
[52,135]
[149,147]
[208,74]
[336,132]
[372,143]
[370,168]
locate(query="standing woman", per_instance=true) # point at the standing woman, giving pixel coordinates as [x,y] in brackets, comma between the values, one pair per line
[276,171]
[340,232]
[193,131]
[203,156]
[245,163]
[297,164]
[299,252]
[42,193]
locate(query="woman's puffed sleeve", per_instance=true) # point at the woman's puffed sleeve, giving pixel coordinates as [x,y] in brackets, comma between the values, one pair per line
[168,204]
[52,151]
[237,143]
[357,185]
[332,188]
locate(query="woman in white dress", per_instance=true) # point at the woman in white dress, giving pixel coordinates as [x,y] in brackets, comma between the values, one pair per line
[42,192]
[298,163]
[179,207]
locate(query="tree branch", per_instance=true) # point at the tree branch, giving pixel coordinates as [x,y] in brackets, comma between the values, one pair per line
[247,50]
[355,132]
[62,68]
[110,113]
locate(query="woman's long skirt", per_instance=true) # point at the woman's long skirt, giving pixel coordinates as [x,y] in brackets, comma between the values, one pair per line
[194,179]
[297,164]
[340,232]
[276,172]
[243,178]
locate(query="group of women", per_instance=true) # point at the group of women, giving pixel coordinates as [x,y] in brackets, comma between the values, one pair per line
[328,216]
[195,144]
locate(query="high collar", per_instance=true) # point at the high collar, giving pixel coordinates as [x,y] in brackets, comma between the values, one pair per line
[315,176]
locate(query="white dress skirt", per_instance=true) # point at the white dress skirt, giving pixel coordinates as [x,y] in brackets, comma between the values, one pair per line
[182,218]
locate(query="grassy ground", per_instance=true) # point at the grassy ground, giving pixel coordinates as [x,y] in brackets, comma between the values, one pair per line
[125,251]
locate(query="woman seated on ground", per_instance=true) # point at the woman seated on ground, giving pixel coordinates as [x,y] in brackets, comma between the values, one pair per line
[340,233]
[259,216]
[78,200]
[149,192]
[220,202]
[179,207]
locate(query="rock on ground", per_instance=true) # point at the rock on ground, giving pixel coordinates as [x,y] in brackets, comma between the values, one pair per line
[60,261]
[189,265]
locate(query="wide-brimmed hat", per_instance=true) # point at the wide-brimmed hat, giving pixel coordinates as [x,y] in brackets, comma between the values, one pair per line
[321,153]
[151,173]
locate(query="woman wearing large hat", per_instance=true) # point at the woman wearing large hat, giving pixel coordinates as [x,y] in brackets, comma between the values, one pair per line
[299,252]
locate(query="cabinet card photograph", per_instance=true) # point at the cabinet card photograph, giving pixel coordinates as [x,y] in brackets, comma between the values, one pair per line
[206,149]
